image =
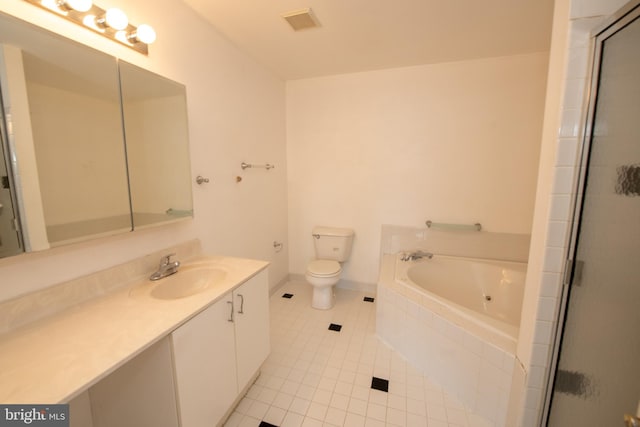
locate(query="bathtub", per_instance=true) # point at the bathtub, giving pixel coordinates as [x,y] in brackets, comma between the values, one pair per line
[457,320]
[487,292]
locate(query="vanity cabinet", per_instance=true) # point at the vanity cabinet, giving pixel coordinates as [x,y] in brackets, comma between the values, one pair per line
[251,320]
[135,357]
[219,351]
[205,365]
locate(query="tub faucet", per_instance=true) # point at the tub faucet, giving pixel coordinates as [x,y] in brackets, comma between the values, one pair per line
[412,256]
[166,268]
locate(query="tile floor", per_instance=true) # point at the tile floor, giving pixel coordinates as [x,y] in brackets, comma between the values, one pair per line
[317,375]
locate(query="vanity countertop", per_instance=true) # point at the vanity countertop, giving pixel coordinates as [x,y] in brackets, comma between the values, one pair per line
[54,359]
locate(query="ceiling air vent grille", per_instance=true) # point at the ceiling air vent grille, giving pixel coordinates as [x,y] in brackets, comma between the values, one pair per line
[301,19]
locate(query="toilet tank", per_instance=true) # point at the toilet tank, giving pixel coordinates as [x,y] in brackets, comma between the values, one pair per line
[332,243]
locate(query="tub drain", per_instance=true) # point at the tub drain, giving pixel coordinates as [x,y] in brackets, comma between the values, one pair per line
[487,297]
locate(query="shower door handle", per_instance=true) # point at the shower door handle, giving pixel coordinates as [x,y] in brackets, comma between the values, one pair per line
[1,208]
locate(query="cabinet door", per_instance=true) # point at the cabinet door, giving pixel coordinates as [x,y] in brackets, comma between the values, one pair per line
[251,303]
[205,365]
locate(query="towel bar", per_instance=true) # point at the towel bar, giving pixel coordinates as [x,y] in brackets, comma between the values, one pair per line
[477,226]
[267,166]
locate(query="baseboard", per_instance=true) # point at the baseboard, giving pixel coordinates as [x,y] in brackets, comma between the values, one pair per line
[281,283]
[351,285]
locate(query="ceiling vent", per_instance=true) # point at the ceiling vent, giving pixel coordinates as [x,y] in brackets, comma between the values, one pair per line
[301,19]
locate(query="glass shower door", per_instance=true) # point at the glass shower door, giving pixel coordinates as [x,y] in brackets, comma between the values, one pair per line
[10,238]
[597,379]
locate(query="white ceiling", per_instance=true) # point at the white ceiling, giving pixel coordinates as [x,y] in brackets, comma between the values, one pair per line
[360,35]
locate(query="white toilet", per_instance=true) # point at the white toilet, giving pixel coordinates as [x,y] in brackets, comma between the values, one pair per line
[332,246]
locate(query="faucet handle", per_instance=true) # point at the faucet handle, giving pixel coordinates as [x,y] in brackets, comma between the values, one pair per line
[165,260]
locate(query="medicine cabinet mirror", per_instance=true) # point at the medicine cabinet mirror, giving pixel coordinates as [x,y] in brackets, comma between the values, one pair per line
[155,122]
[91,146]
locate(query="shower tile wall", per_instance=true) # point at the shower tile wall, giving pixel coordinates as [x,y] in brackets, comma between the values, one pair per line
[586,15]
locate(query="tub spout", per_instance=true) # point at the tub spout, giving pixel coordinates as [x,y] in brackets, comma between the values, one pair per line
[412,256]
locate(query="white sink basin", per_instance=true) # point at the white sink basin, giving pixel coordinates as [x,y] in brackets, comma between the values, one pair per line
[189,280]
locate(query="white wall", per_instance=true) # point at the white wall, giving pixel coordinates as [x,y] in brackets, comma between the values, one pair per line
[236,113]
[453,142]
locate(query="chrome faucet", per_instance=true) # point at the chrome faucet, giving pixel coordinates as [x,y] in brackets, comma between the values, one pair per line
[166,268]
[412,256]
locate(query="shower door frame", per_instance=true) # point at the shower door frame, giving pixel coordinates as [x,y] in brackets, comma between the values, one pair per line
[599,35]
[7,157]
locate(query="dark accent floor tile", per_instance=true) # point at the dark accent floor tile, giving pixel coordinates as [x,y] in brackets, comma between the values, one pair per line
[287,296]
[380,384]
[369,299]
[335,327]
[266,424]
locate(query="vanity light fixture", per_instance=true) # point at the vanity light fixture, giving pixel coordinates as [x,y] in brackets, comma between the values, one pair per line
[113,18]
[145,34]
[111,23]
[77,5]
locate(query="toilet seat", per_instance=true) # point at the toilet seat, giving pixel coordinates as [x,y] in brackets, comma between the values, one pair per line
[324,268]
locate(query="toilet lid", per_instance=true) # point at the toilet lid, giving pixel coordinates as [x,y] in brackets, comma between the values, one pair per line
[324,267]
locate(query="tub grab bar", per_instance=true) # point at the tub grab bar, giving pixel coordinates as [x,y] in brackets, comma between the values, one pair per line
[244,166]
[477,226]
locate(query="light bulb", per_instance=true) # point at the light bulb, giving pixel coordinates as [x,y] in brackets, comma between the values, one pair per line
[53,5]
[145,33]
[116,19]
[79,5]
[93,22]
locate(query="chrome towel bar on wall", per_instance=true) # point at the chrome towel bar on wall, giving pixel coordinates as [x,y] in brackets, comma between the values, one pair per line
[470,227]
[267,166]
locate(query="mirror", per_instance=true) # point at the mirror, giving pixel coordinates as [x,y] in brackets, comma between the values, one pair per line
[156,133]
[78,117]
[76,124]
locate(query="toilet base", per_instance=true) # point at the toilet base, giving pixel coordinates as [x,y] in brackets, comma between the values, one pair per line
[323,297]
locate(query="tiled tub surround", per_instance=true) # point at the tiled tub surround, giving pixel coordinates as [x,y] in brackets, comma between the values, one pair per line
[469,358]
[470,244]
[79,343]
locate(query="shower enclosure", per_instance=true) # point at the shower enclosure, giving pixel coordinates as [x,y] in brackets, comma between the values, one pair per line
[596,381]
[10,237]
